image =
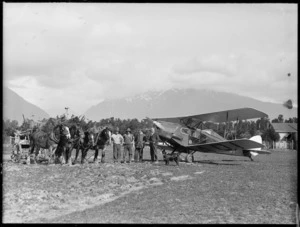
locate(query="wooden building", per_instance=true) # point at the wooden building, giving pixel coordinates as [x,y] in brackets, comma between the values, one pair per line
[288,135]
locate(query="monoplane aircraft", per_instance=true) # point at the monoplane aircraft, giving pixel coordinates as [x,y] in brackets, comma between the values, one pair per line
[186,134]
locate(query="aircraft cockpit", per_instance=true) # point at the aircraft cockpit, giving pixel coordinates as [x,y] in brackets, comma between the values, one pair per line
[194,135]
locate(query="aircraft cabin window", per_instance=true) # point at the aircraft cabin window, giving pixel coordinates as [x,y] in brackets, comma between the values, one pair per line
[185,131]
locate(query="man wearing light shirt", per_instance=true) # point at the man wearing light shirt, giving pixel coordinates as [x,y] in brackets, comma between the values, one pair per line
[128,145]
[118,141]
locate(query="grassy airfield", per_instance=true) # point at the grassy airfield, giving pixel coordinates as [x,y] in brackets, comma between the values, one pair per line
[213,189]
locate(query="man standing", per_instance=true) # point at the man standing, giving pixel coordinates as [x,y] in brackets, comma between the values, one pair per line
[118,141]
[128,145]
[108,142]
[153,140]
[140,140]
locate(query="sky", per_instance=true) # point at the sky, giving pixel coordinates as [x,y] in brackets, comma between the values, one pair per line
[76,55]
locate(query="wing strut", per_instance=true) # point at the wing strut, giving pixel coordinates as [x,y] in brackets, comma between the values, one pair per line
[226,125]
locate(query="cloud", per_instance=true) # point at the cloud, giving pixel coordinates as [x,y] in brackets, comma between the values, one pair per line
[109,69]
[51,15]
[247,73]
[55,41]
[79,54]
[212,64]
[122,77]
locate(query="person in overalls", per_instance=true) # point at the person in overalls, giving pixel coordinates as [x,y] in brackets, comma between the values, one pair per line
[128,145]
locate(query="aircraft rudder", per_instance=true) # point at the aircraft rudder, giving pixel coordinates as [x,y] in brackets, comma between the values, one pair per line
[256,138]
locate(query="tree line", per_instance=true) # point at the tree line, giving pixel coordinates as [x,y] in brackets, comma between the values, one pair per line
[230,130]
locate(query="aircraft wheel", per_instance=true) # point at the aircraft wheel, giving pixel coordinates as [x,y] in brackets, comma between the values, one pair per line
[189,158]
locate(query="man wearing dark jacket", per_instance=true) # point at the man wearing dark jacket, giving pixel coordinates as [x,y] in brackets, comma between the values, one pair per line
[153,140]
[140,140]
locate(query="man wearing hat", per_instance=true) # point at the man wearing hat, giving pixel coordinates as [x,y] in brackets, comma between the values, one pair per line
[140,140]
[128,145]
[153,140]
[118,141]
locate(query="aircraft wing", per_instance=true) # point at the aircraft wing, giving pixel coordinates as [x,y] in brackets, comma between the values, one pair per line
[221,116]
[231,147]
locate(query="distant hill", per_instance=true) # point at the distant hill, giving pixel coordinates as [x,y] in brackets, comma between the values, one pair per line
[14,106]
[181,102]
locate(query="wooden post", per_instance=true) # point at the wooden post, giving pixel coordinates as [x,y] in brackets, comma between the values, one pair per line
[296,141]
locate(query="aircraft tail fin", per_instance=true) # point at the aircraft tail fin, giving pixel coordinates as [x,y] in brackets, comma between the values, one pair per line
[256,151]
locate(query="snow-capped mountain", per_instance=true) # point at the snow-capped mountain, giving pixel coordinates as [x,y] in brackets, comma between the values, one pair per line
[180,102]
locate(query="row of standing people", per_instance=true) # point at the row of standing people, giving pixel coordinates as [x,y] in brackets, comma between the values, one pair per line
[129,141]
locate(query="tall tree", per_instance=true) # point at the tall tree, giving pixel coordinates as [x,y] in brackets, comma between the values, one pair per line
[9,127]
[270,135]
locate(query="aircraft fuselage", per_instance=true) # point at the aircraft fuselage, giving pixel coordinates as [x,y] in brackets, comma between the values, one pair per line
[177,134]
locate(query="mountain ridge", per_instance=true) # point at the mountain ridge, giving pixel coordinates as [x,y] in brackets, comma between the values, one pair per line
[153,104]
[181,102]
[14,106]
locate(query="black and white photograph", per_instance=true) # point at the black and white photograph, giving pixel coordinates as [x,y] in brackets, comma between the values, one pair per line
[150,113]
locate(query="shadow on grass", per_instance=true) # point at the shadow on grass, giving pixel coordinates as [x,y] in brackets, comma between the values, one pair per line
[148,160]
[210,162]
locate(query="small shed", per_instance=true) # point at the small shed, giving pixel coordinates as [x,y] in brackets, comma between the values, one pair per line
[285,131]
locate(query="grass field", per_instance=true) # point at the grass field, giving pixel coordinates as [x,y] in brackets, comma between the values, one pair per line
[214,189]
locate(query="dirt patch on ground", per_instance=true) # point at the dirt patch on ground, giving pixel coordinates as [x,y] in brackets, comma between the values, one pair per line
[214,189]
[47,191]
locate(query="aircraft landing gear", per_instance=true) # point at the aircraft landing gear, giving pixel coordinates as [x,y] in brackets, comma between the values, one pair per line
[250,156]
[190,158]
